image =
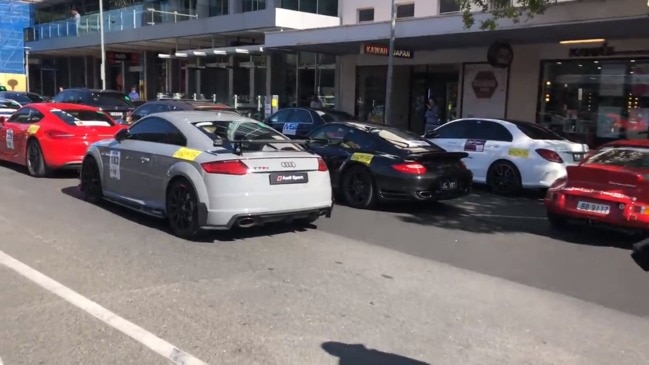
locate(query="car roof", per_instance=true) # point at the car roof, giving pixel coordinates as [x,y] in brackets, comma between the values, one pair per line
[193,116]
[628,143]
[93,90]
[70,106]
[362,125]
[194,103]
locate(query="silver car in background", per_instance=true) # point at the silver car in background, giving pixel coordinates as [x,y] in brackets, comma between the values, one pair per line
[208,170]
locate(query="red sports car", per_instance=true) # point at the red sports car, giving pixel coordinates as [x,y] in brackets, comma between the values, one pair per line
[610,186]
[48,136]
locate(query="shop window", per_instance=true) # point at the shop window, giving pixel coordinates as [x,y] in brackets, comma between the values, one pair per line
[405,10]
[595,101]
[365,15]
[323,7]
[448,6]
[253,5]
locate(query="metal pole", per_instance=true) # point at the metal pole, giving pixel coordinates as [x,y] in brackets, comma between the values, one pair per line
[103,45]
[388,86]
[27,69]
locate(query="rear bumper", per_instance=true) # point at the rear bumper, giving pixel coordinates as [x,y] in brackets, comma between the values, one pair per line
[259,219]
[623,214]
[426,188]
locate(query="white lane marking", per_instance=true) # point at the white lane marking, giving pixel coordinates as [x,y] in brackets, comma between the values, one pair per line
[504,216]
[130,329]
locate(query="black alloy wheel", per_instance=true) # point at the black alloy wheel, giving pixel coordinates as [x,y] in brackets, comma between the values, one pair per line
[358,188]
[91,181]
[503,178]
[182,209]
[34,160]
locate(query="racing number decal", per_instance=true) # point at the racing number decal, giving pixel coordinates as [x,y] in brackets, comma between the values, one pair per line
[9,139]
[115,157]
[474,145]
[186,154]
[32,129]
[519,152]
[364,158]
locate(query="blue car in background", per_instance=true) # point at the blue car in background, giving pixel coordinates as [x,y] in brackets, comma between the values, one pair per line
[296,122]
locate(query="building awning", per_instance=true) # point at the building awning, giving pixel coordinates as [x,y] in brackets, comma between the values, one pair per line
[256,49]
[447,31]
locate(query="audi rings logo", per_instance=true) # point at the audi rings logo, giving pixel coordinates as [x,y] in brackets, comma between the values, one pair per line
[288,164]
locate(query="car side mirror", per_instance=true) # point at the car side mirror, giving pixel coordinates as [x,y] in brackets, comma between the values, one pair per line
[122,135]
[431,134]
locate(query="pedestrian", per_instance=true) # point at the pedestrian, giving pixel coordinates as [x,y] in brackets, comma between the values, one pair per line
[432,115]
[315,102]
[76,17]
[134,95]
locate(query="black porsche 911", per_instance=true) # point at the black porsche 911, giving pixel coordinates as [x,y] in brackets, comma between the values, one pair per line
[369,163]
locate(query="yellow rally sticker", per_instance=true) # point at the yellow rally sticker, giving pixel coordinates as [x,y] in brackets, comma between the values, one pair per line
[519,152]
[364,158]
[186,154]
[32,129]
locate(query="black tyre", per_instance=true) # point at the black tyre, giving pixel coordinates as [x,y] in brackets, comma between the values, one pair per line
[35,161]
[357,188]
[182,209]
[504,178]
[557,221]
[91,181]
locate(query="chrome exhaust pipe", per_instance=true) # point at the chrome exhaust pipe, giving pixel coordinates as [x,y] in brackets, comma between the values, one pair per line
[246,222]
[424,194]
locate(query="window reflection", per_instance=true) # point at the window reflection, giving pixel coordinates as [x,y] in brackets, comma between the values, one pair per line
[596,101]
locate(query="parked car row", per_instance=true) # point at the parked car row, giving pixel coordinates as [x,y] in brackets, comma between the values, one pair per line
[217,169]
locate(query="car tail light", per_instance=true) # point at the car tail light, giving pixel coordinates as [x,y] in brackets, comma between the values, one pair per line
[411,168]
[322,166]
[59,134]
[229,167]
[549,155]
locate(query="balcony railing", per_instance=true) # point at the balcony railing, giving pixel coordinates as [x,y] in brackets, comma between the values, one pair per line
[129,18]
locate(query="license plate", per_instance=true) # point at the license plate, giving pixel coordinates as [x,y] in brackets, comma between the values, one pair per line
[115,114]
[577,156]
[283,178]
[448,185]
[593,208]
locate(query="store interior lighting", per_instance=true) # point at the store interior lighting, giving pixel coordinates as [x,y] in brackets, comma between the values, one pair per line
[582,41]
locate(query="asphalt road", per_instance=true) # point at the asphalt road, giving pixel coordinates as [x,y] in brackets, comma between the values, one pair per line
[365,287]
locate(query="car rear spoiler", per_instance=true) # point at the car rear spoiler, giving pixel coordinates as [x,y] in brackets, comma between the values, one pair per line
[238,143]
[436,156]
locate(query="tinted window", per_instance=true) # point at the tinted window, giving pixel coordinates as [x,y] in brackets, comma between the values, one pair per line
[83,117]
[357,139]
[453,130]
[535,131]
[365,15]
[405,10]
[332,133]
[9,104]
[300,116]
[404,139]
[490,131]
[145,110]
[280,117]
[331,116]
[245,129]
[21,98]
[107,99]
[158,130]
[632,157]
[26,116]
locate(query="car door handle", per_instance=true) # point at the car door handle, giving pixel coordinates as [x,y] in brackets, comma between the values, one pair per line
[144,159]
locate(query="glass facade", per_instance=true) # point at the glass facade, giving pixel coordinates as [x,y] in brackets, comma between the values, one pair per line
[596,101]
[323,7]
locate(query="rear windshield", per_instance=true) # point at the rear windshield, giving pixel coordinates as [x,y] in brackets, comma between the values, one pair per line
[538,132]
[331,116]
[110,100]
[632,157]
[23,98]
[83,118]
[246,129]
[406,140]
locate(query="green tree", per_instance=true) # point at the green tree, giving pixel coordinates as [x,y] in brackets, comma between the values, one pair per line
[501,9]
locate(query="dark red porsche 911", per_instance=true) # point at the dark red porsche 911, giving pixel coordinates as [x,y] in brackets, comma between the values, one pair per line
[48,136]
[610,186]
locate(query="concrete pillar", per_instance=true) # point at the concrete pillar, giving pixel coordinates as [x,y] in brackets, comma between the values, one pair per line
[235,6]
[269,75]
[231,79]
[151,73]
[252,81]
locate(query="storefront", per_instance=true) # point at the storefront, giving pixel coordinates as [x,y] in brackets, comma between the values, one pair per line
[596,100]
